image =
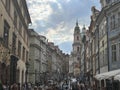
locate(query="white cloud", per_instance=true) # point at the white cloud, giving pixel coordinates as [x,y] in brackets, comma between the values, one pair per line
[40,11]
[59,34]
[56,18]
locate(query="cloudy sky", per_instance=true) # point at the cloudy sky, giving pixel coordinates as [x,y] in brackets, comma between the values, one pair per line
[56,19]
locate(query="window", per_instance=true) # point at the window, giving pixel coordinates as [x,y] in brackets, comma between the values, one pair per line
[111,23]
[103,57]
[100,57]
[14,43]
[114,54]
[18,1]
[77,38]
[108,1]
[6,33]
[15,18]
[24,34]
[26,55]
[78,58]
[78,49]
[102,43]
[19,48]
[114,22]
[8,5]
[119,19]
[23,56]
[119,49]
[21,7]
[27,40]
[20,25]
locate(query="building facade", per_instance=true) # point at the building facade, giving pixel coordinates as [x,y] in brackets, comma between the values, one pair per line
[38,57]
[102,43]
[14,21]
[105,28]
[113,26]
[46,60]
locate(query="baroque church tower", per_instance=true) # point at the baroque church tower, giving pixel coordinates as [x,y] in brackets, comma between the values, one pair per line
[77,40]
[75,54]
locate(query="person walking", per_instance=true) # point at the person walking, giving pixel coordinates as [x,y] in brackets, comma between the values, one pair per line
[81,86]
[29,86]
[14,87]
[1,86]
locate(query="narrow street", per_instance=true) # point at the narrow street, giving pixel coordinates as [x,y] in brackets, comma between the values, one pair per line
[59,44]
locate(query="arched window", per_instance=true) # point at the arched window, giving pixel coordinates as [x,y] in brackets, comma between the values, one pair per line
[77,38]
[78,48]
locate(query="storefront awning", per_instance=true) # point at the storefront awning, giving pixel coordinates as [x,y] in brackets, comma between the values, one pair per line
[107,75]
[117,77]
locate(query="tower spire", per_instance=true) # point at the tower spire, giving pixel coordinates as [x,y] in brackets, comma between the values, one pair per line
[77,30]
[77,22]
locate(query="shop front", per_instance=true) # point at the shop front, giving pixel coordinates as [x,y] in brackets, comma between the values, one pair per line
[108,80]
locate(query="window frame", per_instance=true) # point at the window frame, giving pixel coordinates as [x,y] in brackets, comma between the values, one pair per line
[114,52]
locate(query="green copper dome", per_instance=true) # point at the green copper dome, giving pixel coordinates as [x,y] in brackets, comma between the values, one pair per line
[77,29]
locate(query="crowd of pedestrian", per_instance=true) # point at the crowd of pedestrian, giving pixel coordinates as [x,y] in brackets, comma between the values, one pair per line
[64,85]
[79,85]
[27,86]
[15,86]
